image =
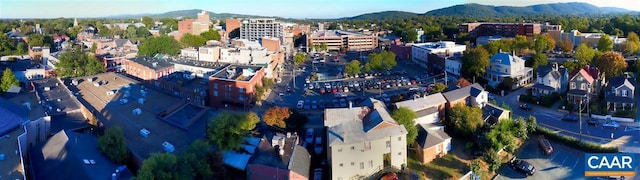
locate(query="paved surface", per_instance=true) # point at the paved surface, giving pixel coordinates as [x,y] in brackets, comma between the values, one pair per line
[626,137]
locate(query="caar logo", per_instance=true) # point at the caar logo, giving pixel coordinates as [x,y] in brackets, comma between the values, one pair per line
[610,164]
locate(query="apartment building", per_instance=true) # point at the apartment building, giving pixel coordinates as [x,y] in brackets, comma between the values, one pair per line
[234,86]
[342,40]
[255,29]
[506,65]
[194,26]
[500,29]
[432,55]
[204,53]
[576,37]
[363,140]
[148,68]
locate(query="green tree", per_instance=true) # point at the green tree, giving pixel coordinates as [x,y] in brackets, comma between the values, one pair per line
[405,117]
[162,44]
[531,123]
[76,63]
[475,62]
[491,157]
[476,167]
[36,40]
[544,43]
[438,88]
[21,49]
[191,40]
[628,47]
[94,46]
[159,166]
[584,54]
[521,43]
[299,58]
[212,34]
[353,67]
[142,32]
[465,120]
[6,44]
[324,46]
[522,130]
[228,130]
[605,43]
[8,79]
[193,163]
[131,32]
[411,36]
[148,22]
[104,31]
[611,63]
[113,145]
[388,60]
[537,60]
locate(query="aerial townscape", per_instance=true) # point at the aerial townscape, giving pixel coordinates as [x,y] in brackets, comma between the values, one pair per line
[279,90]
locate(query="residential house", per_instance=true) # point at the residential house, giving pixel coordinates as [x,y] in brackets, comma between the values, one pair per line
[551,79]
[473,95]
[430,109]
[492,114]
[281,158]
[620,93]
[432,143]
[363,140]
[505,65]
[585,83]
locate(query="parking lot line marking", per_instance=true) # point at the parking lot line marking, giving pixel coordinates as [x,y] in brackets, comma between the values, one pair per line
[565,160]
[554,156]
[574,165]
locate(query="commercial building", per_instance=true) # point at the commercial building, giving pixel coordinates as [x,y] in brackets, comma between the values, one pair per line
[500,29]
[363,140]
[576,37]
[255,29]
[271,44]
[203,53]
[194,26]
[234,86]
[342,40]
[148,68]
[432,55]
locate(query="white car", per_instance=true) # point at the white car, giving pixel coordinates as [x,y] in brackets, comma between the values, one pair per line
[318,145]
[300,104]
[309,136]
[610,124]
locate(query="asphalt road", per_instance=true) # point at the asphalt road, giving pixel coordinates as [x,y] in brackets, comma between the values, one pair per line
[626,137]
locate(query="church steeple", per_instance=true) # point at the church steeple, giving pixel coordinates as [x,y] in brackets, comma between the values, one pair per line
[75,22]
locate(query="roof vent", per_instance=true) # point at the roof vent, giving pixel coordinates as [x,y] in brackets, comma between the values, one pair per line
[168,147]
[136,111]
[124,101]
[141,100]
[145,133]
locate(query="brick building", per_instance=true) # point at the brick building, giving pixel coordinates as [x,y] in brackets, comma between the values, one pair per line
[272,44]
[500,29]
[234,86]
[148,68]
[231,24]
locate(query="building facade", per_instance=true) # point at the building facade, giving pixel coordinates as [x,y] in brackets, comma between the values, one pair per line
[505,65]
[551,79]
[432,55]
[148,68]
[584,84]
[234,86]
[500,29]
[255,29]
[342,40]
[620,92]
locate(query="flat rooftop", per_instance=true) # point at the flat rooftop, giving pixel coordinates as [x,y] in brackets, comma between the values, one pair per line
[11,166]
[151,62]
[335,33]
[112,112]
[237,72]
[204,64]
[186,81]
[56,98]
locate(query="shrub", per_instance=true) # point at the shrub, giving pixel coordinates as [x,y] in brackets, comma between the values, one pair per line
[575,143]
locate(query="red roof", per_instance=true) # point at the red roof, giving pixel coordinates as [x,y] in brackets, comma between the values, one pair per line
[588,72]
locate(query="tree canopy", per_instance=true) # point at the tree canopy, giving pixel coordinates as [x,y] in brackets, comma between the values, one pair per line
[276,115]
[190,40]
[113,145]
[405,117]
[148,22]
[160,166]
[611,63]
[353,67]
[605,43]
[8,79]
[36,40]
[475,62]
[228,130]
[299,58]
[212,34]
[382,61]
[537,60]
[76,63]
[465,120]
[162,44]
[438,88]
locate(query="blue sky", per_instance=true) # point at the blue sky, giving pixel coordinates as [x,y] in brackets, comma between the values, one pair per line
[282,8]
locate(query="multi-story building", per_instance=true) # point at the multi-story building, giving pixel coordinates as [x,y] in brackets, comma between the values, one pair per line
[430,109]
[204,53]
[234,86]
[576,37]
[584,84]
[432,55]
[148,68]
[363,140]
[500,29]
[255,29]
[473,95]
[342,40]
[230,25]
[620,92]
[37,53]
[551,79]
[506,65]
[271,44]
[194,26]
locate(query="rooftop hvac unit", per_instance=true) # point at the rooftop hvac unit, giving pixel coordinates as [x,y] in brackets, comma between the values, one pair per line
[168,147]
[145,133]
[136,111]
[110,92]
[277,141]
[141,100]
[96,84]
[124,101]
[143,93]
[74,82]
[47,88]
[90,79]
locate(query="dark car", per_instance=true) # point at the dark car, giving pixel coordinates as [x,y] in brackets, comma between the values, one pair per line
[592,122]
[525,107]
[545,145]
[570,117]
[523,166]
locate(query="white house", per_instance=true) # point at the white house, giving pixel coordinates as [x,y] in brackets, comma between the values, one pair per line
[430,109]
[505,65]
[420,52]
[551,79]
[363,140]
[473,95]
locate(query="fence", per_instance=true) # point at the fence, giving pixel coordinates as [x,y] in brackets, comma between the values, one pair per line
[608,117]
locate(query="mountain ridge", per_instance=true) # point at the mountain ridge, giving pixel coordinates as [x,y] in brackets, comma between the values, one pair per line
[479,10]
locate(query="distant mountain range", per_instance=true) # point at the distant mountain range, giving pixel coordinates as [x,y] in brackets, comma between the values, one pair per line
[468,10]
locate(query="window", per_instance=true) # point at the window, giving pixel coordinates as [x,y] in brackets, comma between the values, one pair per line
[339,149]
[573,85]
[361,165]
[388,144]
[341,164]
[215,93]
[400,138]
[624,93]
[353,148]
[215,85]
[399,153]
[353,163]
[241,89]
[241,98]
[370,163]
[367,146]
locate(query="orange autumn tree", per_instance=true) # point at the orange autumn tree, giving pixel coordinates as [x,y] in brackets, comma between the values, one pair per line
[275,116]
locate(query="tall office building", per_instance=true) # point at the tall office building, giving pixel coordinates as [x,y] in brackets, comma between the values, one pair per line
[255,29]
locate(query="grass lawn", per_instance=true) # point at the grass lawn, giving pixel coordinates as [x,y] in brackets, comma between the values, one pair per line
[447,167]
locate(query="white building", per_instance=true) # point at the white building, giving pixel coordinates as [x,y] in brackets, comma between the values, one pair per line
[430,109]
[505,65]
[420,52]
[204,53]
[254,29]
[453,66]
[363,140]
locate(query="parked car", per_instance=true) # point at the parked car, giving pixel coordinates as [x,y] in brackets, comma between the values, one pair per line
[545,145]
[314,104]
[307,104]
[525,107]
[308,138]
[300,104]
[522,166]
[318,145]
[592,122]
[610,124]
[570,117]
[317,174]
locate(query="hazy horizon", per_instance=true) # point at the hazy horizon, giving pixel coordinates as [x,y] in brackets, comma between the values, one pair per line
[325,9]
